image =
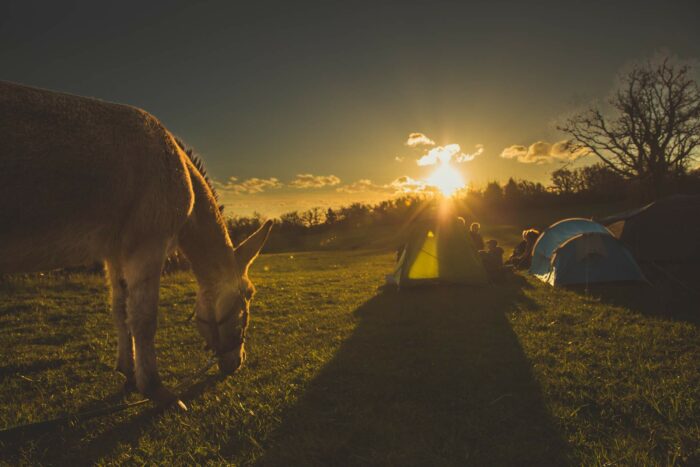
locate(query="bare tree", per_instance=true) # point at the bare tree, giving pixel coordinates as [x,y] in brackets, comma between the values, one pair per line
[312,217]
[654,127]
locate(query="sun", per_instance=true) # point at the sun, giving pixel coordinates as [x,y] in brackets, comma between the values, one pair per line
[446,178]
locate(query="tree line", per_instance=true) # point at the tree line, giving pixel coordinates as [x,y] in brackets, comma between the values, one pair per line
[584,186]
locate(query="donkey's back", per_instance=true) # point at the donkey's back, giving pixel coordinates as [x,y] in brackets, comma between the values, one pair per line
[82,179]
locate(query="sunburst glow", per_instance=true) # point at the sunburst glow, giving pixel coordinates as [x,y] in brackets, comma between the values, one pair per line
[446,178]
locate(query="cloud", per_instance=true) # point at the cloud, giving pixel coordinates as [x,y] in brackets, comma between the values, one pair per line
[419,139]
[401,185]
[258,185]
[440,153]
[478,150]
[543,152]
[445,154]
[399,159]
[362,186]
[406,184]
[515,151]
[250,186]
[314,181]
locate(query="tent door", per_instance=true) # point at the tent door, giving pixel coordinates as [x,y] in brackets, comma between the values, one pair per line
[425,265]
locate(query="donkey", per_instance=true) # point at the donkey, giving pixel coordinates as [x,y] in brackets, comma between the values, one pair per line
[82,180]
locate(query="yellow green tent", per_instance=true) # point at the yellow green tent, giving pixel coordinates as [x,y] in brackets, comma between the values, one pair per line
[440,253]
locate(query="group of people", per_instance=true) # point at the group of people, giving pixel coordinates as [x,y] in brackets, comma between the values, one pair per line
[492,255]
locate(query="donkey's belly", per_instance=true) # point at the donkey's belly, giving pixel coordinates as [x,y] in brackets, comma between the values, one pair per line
[45,251]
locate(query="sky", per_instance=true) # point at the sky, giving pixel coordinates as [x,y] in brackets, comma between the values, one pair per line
[294,105]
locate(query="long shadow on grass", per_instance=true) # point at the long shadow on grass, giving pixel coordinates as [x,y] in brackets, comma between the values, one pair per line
[430,376]
[132,431]
[63,444]
[661,299]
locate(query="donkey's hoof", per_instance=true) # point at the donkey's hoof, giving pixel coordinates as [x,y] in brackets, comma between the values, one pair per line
[163,398]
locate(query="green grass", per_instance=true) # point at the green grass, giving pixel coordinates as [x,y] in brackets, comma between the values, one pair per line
[341,372]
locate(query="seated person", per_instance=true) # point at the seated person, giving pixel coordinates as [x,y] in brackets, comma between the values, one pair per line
[492,258]
[518,250]
[476,236]
[522,254]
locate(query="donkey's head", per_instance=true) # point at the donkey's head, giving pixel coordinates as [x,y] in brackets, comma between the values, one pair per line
[222,311]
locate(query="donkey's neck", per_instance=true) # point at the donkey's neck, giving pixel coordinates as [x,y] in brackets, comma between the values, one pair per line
[204,238]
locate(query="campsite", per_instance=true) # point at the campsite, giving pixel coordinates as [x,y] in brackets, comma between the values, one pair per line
[343,370]
[386,233]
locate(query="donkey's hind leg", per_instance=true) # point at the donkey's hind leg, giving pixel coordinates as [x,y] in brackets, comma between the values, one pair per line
[142,270]
[125,348]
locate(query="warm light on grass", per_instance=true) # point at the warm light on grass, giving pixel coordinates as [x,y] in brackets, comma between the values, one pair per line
[538,366]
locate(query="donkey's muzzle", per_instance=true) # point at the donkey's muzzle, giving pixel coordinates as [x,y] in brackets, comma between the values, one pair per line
[231,361]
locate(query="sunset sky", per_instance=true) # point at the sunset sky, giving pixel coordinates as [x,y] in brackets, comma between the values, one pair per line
[294,105]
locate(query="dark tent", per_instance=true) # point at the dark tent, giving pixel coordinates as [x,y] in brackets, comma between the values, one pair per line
[667,230]
[590,258]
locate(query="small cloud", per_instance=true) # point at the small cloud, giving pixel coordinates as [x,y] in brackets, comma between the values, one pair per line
[478,150]
[314,181]
[406,184]
[399,159]
[543,152]
[249,186]
[362,186]
[515,151]
[401,185]
[419,139]
[447,153]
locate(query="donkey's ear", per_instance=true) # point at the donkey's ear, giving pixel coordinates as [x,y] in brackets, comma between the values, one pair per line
[249,249]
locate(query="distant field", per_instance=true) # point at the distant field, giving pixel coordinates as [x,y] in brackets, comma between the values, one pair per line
[343,373]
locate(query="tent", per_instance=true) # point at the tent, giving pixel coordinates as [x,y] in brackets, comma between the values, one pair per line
[441,252]
[665,231]
[554,236]
[592,257]
[580,251]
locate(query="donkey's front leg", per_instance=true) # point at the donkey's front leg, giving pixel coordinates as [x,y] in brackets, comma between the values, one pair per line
[125,348]
[142,273]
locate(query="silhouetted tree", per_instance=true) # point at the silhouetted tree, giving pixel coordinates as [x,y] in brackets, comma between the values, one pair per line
[291,220]
[600,180]
[653,130]
[331,217]
[355,214]
[493,194]
[511,193]
[566,182]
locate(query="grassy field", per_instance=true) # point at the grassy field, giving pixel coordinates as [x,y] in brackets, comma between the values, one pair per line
[341,372]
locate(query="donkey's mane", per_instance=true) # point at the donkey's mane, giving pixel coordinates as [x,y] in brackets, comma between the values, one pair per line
[199,164]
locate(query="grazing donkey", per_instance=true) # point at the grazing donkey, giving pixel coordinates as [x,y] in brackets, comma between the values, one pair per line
[84,180]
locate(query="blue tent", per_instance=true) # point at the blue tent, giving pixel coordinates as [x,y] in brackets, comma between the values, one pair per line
[580,251]
[554,236]
[590,258]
